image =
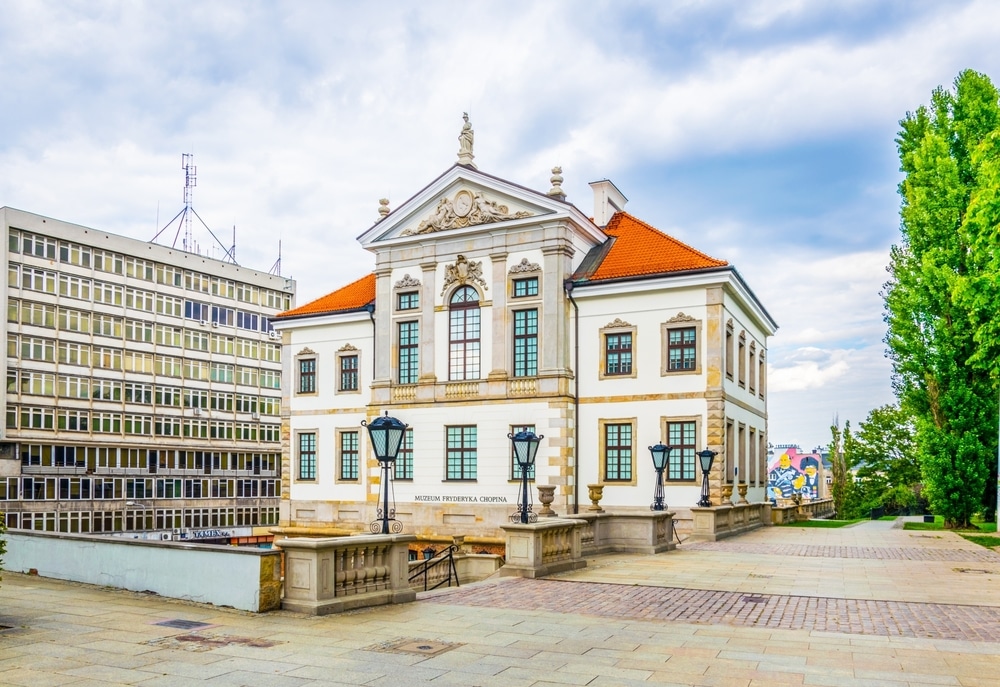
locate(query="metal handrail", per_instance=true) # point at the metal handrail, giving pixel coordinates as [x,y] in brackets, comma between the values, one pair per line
[445,556]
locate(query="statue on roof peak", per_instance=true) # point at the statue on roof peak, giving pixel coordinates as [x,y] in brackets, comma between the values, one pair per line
[465,140]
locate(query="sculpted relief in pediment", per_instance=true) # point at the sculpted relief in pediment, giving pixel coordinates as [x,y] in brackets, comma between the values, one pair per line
[466,209]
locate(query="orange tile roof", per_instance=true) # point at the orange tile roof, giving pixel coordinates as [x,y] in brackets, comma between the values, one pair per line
[639,249]
[354,296]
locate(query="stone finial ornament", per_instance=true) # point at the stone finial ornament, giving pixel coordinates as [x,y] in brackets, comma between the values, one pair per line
[383,207]
[465,140]
[557,178]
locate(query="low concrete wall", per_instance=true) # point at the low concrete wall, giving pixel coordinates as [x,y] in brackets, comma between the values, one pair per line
[241,577]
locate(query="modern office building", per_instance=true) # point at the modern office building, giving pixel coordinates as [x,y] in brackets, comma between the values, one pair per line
[494,308]
[143,387]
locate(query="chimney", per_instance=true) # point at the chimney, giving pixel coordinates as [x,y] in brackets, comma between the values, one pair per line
[607,201]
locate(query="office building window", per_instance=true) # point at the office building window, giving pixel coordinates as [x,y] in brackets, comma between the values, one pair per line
[409,352]
[682,349]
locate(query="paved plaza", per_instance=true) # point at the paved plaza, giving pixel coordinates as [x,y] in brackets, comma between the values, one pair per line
[869,605]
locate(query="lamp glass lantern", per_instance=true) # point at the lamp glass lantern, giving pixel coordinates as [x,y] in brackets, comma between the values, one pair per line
[661,458]
[706,457]
[525,445]
[386,435]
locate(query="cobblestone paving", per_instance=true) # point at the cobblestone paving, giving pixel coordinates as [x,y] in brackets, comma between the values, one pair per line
[898,553]
[851,616]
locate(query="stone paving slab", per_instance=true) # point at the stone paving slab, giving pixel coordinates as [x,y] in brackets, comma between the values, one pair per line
[852,616]
[99,637]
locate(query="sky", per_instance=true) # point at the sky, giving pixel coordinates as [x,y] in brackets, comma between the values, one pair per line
[758,131]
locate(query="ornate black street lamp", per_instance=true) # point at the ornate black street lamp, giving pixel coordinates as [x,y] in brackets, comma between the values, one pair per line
[706,457]
[661,457]
[387,436]
[525,447]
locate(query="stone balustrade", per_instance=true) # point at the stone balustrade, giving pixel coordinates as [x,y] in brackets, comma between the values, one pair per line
[728,520]
[543,548]
[336,574]
[641,532]
[786,511]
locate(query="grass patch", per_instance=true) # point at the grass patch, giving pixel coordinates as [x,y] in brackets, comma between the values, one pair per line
[983,540]
[820,523]
[938,524]
[888,517]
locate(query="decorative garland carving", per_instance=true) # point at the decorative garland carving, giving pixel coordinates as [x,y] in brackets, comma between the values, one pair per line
[524,266]
[406,281]
[681,317]
[307,351]
[347,347]
[617,324]
[466,209]
[462,272]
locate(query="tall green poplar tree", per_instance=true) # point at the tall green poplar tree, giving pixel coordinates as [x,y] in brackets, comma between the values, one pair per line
[939,373]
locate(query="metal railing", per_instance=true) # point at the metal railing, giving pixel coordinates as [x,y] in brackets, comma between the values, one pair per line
[436,571]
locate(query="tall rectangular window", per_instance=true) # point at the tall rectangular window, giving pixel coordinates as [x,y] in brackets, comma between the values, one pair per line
[348,373]
[307,376]
[682,436]
[682,349]
[463,335]
[409,352]
[461,452]
[618,354]
[515,468]
[404,459]
[618,452]
[349,455]
[741,361]
[307,455]
[525,343]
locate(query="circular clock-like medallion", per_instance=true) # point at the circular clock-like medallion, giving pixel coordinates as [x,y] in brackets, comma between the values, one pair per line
[462,203]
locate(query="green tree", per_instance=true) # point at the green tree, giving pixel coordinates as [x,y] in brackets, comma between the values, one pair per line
[841,487]
[934,276]
[883,455]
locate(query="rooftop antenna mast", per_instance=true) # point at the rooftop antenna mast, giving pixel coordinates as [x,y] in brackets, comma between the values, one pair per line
[190,181]
[185,215]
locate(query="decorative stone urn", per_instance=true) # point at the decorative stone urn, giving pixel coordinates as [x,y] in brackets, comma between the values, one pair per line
[546,494]
[596,493]
[742,488]
[727,494]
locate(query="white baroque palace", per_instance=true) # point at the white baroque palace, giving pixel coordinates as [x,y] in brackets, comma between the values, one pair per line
[494,308]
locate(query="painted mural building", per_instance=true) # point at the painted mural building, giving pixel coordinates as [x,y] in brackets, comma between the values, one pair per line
[791,474]
[494,308]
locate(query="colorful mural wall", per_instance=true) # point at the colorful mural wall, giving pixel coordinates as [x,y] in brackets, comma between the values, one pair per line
[791,473]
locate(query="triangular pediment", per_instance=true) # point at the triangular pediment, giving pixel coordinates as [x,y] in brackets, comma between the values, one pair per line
[464,200]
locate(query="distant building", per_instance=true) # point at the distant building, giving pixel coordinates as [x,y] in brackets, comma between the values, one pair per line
[494,308]
[143,387]
[793,473]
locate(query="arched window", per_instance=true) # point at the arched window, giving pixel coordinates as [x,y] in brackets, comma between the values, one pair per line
[463,334]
